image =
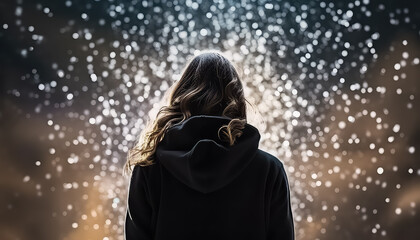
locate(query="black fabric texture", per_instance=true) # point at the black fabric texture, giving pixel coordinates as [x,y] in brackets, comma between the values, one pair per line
[201,188]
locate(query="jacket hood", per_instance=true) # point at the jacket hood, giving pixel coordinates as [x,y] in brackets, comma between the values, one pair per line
[192,152]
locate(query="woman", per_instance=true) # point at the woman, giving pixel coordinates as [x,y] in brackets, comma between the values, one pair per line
[197,172]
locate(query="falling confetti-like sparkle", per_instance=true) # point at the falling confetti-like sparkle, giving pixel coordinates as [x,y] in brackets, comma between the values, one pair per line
[336,84]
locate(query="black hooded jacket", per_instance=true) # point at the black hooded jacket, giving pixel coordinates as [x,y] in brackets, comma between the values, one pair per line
[201,188]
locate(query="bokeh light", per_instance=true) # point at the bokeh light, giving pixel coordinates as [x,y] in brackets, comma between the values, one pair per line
[335,87]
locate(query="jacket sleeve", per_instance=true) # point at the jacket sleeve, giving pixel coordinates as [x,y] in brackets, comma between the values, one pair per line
[280,224]
[139,212]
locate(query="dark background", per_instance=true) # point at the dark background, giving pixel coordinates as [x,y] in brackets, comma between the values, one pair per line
[335,87]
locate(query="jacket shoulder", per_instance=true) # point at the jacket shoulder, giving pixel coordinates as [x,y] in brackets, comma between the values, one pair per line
[274,166]
[270,159]
[149,168]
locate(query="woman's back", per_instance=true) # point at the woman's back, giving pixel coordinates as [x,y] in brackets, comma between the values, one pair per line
[201,188]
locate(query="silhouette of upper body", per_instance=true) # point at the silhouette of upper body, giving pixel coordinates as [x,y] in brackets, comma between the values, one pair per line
[201,188]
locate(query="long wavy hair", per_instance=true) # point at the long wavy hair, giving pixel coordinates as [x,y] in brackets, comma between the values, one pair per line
[209,85]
